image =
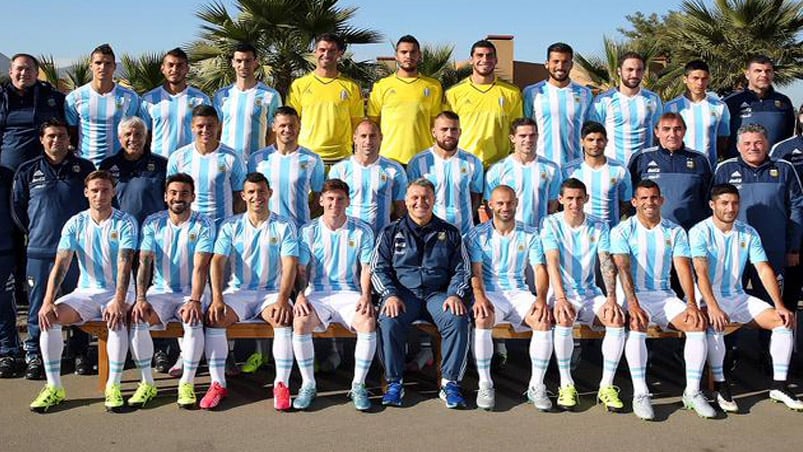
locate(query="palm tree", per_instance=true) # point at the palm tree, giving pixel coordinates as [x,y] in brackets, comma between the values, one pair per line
[437,61]
[78,73]
[283,31]
[48,67]
[142,73]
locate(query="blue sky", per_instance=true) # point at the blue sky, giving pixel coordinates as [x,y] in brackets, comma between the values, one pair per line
[67,30]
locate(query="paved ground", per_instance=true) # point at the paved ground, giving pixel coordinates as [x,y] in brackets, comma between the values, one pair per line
[247,420]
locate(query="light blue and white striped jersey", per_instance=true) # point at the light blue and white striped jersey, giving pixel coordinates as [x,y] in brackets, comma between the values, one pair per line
[608,186]
[535,183]
[629,121]
[578,248]
[174,247]
[292,177]
[97,246]
[651,251]
[559,113]
[217,175]
[169,117]
[246,116]
[335,257]
[504,258]
[372,189]
[455,179]
[705,121]
[727,253]
[96,116]
[255,253]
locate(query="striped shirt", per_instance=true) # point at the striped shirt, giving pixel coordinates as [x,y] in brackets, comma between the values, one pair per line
[97,246]
[608,186]
[578,248]
[174,247]
[335,256]
[705,121]
[255,253]
[246,116]
[560,113]
[169,117]
[96,116]
[629,121]
[651,251]
[535,183]
[455,179]
[372,189]
[292,177]
[504,258]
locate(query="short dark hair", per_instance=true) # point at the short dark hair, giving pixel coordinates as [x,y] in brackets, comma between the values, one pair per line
[483,44]
[244,47]
[182,178]
[521,122]
[760,59]
[696,65]
[590,127]
[335,185]
[648,184]
[178,53]
[448,114]
[422,182]
[285,110]
[671,115]
[631,55]
[99,174]
[28,56]
[559,47]
[332,37]
[409,39]
[573,183]
[205,111]
[103,49]
[52,122]
[257,178]
[723,189]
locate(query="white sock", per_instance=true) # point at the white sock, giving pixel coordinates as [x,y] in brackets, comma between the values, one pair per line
[636,353]
[564,345]
[283,354]
[540,352]
[483,352]
[51,342]
[192,347]
[716,353]
[142,350]
[217,349]
[305,357]
[500,346]
[694,354]
[117,347]
[612,345]
[363,356]
[781,352]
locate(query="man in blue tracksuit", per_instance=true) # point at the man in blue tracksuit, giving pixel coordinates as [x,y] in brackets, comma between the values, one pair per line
[421,271]
[47,191]
[9,340]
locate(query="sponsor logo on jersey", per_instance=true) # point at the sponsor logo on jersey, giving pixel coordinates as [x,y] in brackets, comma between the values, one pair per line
[502,101]
[344,95]
[427,92]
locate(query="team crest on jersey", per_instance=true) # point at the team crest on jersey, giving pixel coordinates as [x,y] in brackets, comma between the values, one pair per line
[669,243]
[774,172]
[743,245]
[352,244]
[779,104]
[427,92]
[114,235]
[577,99]
[521,247]
[257,102]
[463,170]
[690,164]
[344,95]
[274,240]
[613,181]
[543,175]
[303,165]
[151,166]
[383,178]
[120,102]
[193,236]
[441,236]
[76,168]
[221,167]
[51,102]
[592,239]
[501,101]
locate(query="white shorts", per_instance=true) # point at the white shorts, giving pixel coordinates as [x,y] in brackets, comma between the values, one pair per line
[90,303]
[334,307]
[661,306]
[741,308]
[511,306]
[167,305]
[248,304]
[586,308]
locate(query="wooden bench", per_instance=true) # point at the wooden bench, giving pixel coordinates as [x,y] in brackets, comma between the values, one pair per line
[261,330]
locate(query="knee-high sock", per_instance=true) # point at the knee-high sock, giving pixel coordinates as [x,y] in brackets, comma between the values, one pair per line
[612,346]
[694,354]
[117,347]
[142,350]
[192,347]
[781,352]
[483,352]
[716,353]
[305,357]
[283,354]
[363,355]
[564,345]
[217,348]
[51,342]
[540,352]
[636,353]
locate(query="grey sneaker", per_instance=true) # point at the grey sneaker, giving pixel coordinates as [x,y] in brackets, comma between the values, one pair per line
[486,396]
[696,401]
[359,395]
[642,407]
[305,397]
[539,398]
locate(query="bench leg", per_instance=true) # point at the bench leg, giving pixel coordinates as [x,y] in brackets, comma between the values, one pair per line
[437,357]
[103,360]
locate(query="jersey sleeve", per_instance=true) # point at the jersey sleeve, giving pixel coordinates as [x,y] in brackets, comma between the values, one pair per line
[527,102]
[206,234]
[366,245]
[304,251]
[294,97]
[697,241]
[603,238]
[145,113]
[472,244]
[399,184]
[129,233]
[375,101]
[536,251]
[172,164]
[554,186]
[224,239]
[549,236]
[597,112]
[516,108]
[71,110]
[756,250]
[476,178]
[413,172]
[147,237]
[491,181]
[437,101]
[625,186]
[680,246]
[67,241]
[317,179]
[619,239]
[724,126]
[275,103]
[289,242]
[238,174]
[356,106]
[217,102]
